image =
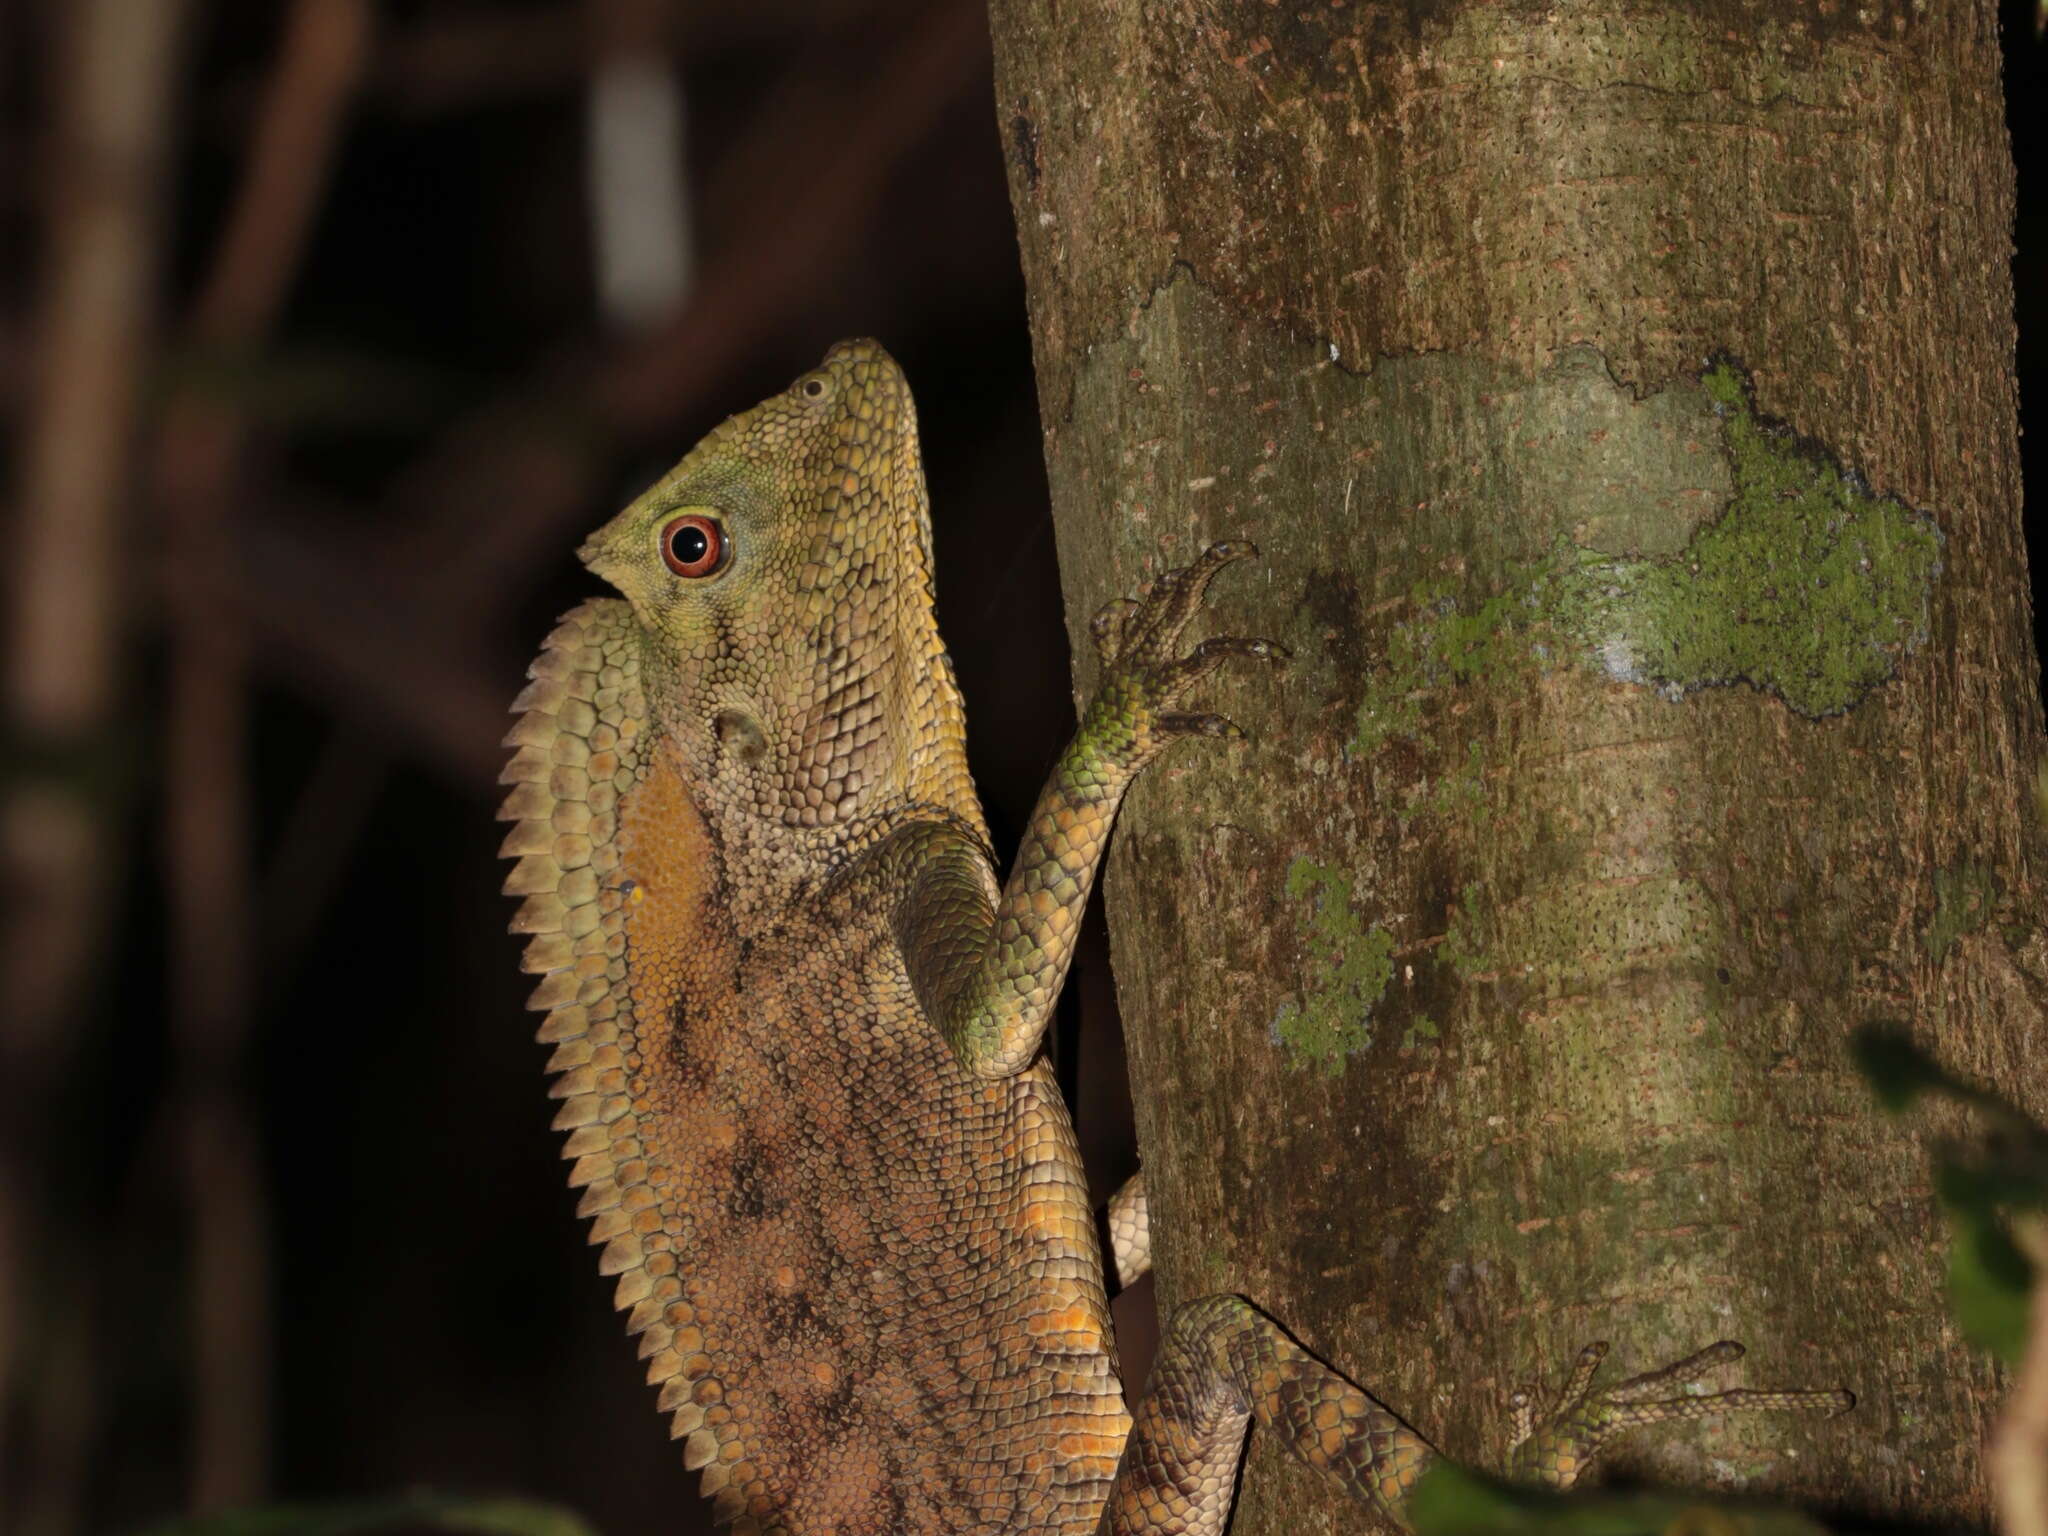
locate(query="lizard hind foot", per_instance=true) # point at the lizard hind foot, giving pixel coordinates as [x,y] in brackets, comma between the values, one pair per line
[1581,1422]
[1134,715]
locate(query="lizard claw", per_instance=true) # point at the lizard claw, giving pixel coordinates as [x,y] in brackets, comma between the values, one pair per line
[1107,627]
[1582,1421]
[1176,677]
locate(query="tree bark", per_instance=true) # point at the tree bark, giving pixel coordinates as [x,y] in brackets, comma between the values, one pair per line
[1622,398]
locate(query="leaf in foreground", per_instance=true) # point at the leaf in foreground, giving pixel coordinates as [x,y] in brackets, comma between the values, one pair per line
[1452,1501]
[411,1512]
[1979,1186]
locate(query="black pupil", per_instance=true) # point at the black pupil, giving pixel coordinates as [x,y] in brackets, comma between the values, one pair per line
[690,544]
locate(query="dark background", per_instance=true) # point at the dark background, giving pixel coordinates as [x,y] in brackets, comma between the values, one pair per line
[344,595]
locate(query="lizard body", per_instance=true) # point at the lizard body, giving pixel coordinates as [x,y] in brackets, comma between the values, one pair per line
[797,1019]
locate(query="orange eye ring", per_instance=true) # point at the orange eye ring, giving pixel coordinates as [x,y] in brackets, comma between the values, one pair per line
[693,545]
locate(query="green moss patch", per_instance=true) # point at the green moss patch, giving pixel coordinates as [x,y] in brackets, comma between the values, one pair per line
[1447,642]
[1349,968]
[1807,585]
[1461,949]
[1965,895]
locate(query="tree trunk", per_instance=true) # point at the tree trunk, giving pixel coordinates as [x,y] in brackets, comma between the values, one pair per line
[1622,398]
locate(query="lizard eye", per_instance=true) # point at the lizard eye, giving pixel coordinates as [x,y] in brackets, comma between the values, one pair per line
[693,545]
[814,387]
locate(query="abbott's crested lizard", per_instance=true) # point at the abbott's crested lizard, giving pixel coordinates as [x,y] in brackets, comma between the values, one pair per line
[797,1018]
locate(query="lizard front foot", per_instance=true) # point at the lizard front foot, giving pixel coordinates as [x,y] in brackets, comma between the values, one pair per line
[1132,717]
[1581,1421]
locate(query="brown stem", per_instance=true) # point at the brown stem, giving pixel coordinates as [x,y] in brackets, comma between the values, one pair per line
[491,500]
[59,850]
[206,843]
[496,495]
[458,61]
[317,843]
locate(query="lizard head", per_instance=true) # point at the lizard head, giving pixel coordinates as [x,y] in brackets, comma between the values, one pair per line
[780,577]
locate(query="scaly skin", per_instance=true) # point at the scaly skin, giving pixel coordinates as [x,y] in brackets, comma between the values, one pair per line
[1128,1222]
[797,1025]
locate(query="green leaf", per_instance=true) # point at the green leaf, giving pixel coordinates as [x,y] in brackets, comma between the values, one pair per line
[1982,1188]
[1900,1072]
[1452,1501]
[1897,1069]
[406,1512]
[1989,1281]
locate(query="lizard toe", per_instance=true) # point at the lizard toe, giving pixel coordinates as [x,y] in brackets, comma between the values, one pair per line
[1172,727]
[1110,625]
[1174,598]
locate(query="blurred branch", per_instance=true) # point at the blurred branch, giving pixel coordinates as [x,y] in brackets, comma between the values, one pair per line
[59,845]
[375,653]
[316,844]
[496,498]
[100,264]
[454,62]
[642,244]
[833,159]
[499,496]
[206,847]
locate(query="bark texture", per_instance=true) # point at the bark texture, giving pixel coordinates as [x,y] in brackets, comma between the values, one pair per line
[1621,395]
